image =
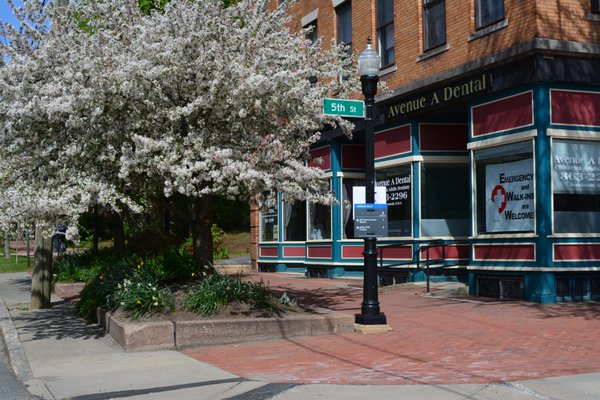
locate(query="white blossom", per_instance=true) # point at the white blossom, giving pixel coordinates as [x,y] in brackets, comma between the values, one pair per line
[101,104]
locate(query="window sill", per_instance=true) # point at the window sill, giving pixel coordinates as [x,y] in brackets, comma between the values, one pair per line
[434,52]
[573,235]
[488,30]
[593,17]
[388,70]
[503,236]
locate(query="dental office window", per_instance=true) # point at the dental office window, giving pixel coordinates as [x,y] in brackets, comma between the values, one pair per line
[505,188]
[596,6]
[576,186]
[398,183]
[269,224]
[347,205]
[319,221]
[294,221]
[434,24]
[445,200]
[488,12]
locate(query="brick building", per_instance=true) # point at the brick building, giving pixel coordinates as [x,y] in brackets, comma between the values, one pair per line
[487,141]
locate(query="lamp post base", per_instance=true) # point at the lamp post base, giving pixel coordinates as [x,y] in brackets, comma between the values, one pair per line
[370,319]
[366,329]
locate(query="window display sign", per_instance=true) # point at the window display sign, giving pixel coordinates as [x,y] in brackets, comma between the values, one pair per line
[576,167]
[509,196]
[269,228]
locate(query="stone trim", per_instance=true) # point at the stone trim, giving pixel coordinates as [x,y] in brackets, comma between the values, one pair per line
[336,3]
[310,17]
[488,30]
[433,53]
[593,17]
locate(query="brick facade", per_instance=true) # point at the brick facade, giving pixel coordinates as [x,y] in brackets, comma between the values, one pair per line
[563,20]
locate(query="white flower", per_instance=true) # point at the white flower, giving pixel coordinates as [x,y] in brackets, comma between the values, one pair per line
[188,100]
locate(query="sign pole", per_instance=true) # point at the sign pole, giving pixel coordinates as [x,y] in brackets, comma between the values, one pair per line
[370,313]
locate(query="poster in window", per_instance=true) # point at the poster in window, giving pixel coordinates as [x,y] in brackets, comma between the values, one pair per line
[576,167]
[509,192]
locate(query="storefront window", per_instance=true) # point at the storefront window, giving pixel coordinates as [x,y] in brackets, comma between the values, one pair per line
[445,200]
[576,186]
[347,204]
[294,221]
[319,221]
[505,188]
[269,229]
[398,183]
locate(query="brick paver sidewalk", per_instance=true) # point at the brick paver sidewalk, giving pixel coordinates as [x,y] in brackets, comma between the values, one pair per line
[434,341]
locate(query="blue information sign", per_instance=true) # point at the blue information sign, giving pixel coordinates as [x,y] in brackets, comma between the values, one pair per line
[370,220]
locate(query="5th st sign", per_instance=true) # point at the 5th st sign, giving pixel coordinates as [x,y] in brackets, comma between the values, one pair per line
[344,108]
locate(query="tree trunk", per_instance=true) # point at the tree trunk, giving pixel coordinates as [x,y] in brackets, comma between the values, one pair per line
[118,233]
[41,278]
[7,245]
[201,214]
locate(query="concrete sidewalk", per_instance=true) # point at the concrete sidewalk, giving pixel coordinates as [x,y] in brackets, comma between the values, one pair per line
[59,357]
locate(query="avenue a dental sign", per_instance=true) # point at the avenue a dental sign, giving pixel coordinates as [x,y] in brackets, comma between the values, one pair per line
[509,197]
[446,94]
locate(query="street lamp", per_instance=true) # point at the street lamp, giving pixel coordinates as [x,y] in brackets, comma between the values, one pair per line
[368,67]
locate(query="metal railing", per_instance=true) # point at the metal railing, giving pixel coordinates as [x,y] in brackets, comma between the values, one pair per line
[416,259]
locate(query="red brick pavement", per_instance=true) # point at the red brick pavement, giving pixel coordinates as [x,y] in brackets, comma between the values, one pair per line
[434,341]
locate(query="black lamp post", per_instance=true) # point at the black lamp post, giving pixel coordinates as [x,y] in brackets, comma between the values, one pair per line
[368,67]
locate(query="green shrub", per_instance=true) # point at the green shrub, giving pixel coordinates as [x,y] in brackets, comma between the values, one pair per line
[220,252]
[141,294]
[90,299]
[68,268]
[217,291]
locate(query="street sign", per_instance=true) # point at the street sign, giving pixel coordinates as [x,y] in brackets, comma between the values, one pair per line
[344,108]
[370,220]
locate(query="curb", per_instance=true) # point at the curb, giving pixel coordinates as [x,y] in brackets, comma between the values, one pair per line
[16,353]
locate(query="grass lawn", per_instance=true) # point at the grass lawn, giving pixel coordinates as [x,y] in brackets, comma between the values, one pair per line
[10,264]
[238,243]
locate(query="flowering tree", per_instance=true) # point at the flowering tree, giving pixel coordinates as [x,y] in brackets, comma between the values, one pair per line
[101,103]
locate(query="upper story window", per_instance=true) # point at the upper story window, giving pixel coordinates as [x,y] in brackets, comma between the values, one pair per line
[489,11]
[385,31]
[434,23]
[312,34]
[596,6]
[344,23]
[309,22]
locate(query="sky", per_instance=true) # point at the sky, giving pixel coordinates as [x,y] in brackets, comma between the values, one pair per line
[5,14]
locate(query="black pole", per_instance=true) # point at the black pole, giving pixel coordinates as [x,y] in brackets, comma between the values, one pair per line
[369,312]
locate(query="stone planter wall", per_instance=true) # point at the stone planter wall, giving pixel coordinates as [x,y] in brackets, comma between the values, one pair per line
[153,335]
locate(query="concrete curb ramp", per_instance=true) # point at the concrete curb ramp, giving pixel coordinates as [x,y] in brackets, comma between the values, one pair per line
[160,335]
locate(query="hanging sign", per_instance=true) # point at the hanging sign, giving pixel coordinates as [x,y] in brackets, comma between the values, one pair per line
[509,197]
